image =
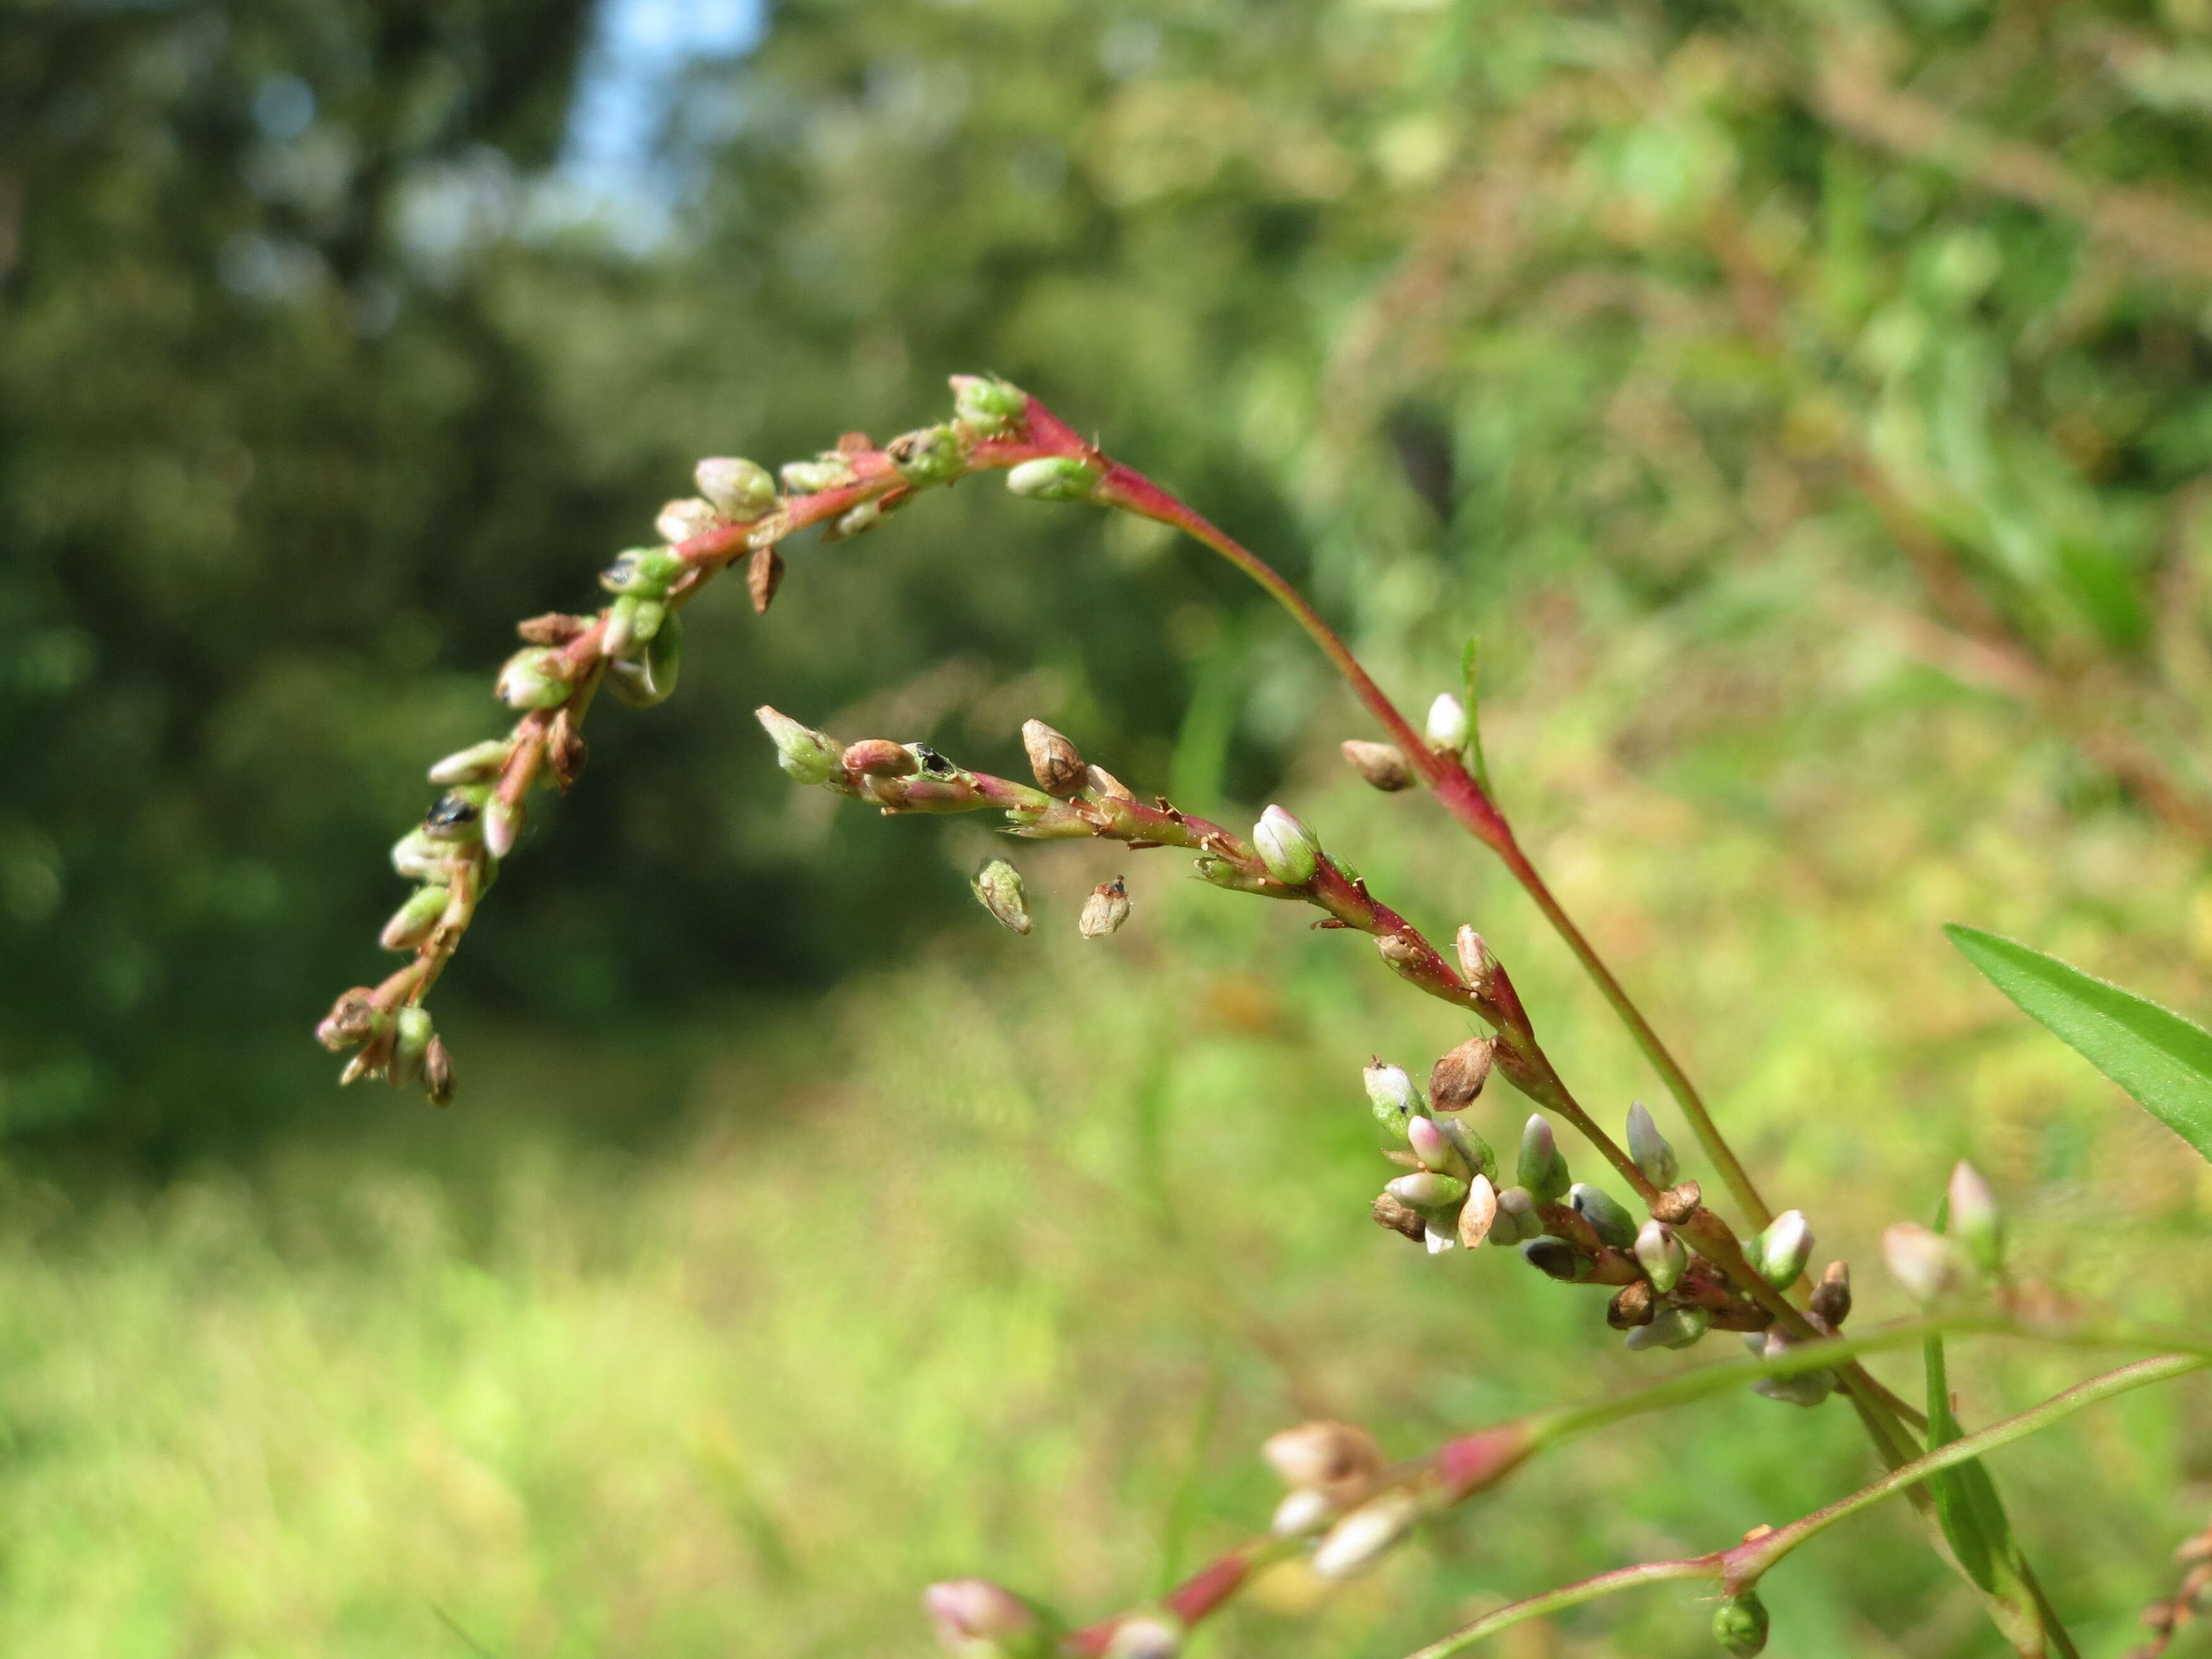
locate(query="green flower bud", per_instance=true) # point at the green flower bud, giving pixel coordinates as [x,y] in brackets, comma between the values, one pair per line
[503,826]
[1662,1257]
[830,470]
[805,755]
[1649,1149]
[1470,1145]
[1517,1221]
[1604,1213]
[1740,1625]
[1974,1221]
[646,571]
[1287,847]
[479,762]
[534,678]
[411,1042]
[986,405]
[1390,1091]
[641,683]
[1448,725]
[419,856]
[736,488]
[997,885]
[1671,1328]
[1426,1190]
[933,455]
[1542,1168]
[412,922]
[1053,479]
[1783,1248]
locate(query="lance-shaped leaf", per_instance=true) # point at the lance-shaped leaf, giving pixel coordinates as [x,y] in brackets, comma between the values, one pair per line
[2162,1059]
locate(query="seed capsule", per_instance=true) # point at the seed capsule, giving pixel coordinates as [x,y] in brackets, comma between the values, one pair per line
[1380,764]
[1105,910]
[1055,762]
[997,885]
[1455,1081]
[1323,1455]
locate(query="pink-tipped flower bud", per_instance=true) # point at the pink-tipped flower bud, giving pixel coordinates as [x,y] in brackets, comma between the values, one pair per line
[1053,479]
[1649,1149]
[998,886]
[503,826]
[680,520]
[1542,1167]
[437,1073]
[479,762]
[413,921]
[1105,910]
[879,757]
[735,487]
[1434,1148]
[1380,764]
[1287,847]
[1448,726]
[1324,1455]
[1974,1220]
[536,678]
[1057,763]
[1365,1536]
[1927,1265]
[1783,1250]
[974,1617]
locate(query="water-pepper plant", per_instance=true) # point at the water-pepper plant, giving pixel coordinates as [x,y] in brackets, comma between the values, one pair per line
[1672,1264]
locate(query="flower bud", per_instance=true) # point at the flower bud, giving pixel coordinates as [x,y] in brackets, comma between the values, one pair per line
[1287,847]
[1783,1249]
[1455,1080]
[1556,1259]
[1671,1328]
[1364,1536]
[503,826]
[353,1019]
[1632,1305]
[998,885]
[646,571]
[879,757]
[1470,1146]
[1476,964]
[1662,1257]
[1927,1265]
[1388,1211]
[533,678]
[1517,1220]
[1390,1091]
[1424,1189]
[437,1073]
[1053,479]
[411,1032]
[736,488]
[479,762]
[412,922]
[1434,1149]
[1649,1149]
[830,470]
[1806,1389]
[1974,1220]
[1447,723]
[419,856]
[565,750]
[807,755]
[931,455]
[974,1617]
[680,520]
[1542,1168]
[1325,1456]
[1379,763]
[641,683]
[1832,1297]
[985,404]
[1145,1636]
[1301,1511]
[1477,1217]
[1740,1625]
[1105,910]
[1058,766]
[1612,1222]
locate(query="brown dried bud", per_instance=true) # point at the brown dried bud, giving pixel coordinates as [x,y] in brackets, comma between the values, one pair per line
[437,1073]
[1099,781]
[1326,1456]
[1057,763]
[1399,1217]
[1380,763]
[1105,910]
[1677,1204]
[763,575]
[1457,1079]
[1832,1297]
[554,627]
[1634,1306]
[565,752]
[353,1018]
[1397,949]
[879,757]
[1479,1213]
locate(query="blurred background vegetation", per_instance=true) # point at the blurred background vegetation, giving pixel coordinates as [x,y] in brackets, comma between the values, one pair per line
[1809,405]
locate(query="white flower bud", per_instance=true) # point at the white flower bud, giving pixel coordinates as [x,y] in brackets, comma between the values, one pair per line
[1287,847]
[1783,1250]
[1447,723]
[1364,1536]
[735,487]
[1649,1149]
[680,520]
[1662,1257]
[1927,1265]
[1105,910]
[1974,1221]
[1052,478]
[1390,1091]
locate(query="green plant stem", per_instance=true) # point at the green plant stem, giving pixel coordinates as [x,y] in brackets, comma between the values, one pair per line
[1736,1570]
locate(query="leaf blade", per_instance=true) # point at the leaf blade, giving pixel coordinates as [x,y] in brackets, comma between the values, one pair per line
[2163,1060]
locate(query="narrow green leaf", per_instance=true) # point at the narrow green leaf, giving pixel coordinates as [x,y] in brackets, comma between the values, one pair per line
[1955,1500]
[2162,1059]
